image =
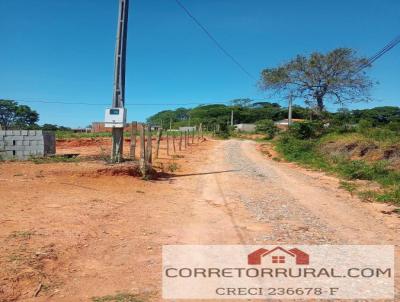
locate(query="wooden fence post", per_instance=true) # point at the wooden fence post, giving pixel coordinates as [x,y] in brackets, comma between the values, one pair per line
[133,140]
[186,139]
[180,140]
[159,135]
[149,149]
[167,142]
[193,136]
[173,141]
[201,130]
[142,160]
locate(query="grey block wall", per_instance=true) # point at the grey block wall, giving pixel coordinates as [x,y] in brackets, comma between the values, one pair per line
[23,144]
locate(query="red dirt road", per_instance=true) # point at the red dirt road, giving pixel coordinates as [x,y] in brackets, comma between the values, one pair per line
[70,232]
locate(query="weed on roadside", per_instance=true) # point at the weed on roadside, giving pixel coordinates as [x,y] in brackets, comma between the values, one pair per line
[348,186]
[103,154]
[21,234]
[172,167]
[122,297]
[367,196]
[392,196]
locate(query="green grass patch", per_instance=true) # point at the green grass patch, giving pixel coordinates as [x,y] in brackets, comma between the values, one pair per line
[54,159]
[392,195]
[301,151]
[70,134]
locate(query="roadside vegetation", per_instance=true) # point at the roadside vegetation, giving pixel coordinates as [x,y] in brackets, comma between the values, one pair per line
[367,150]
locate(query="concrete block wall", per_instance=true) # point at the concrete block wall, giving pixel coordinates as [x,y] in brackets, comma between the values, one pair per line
[23,144]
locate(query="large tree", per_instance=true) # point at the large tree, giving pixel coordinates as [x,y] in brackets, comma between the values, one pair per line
[8,111]
[334,76]
[25,116]
[14,115]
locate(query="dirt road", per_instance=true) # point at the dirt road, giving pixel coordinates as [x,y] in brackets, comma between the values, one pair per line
[103,234]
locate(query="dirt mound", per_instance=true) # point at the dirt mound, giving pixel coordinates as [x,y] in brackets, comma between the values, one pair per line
[268,150]
[82,142]
[131,170]
[361,150]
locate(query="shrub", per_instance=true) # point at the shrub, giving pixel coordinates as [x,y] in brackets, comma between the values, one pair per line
[381,134]
[391,196]
[172,167]
[301,151]
[364,126]
[307,130]
[223,132]
[268,127]
[394,126]
[358,169]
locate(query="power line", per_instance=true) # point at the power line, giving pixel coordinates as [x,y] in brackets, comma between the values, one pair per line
[214,40]
[129,104]
[380,53]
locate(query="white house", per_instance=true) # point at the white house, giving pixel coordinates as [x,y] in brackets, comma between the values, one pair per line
[187,128]
[245,127]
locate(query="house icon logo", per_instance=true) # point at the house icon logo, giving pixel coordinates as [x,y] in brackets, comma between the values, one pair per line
[278,255]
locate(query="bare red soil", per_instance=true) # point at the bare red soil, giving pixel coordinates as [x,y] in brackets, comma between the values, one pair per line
[78,230]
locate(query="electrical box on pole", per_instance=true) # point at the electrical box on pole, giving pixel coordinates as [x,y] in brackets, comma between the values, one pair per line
[115,117]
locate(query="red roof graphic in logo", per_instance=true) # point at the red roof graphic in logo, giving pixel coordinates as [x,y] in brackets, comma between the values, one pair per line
[300,257]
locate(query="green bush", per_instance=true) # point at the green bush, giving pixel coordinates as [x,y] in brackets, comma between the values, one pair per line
[358,169]
[342,128]
[382,134]
[307,130]
[364,126]
[268,127]
[224,131]
[301,151]
[394,126]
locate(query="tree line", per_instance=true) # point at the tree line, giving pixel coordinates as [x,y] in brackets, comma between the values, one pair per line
[253,112]
[15,116]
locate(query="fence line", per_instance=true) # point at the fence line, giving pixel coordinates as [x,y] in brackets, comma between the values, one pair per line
[148,153]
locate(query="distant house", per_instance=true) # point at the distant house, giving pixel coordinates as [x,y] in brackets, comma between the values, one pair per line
[284,124]
[99,127]
[187,128]
[245,127]
[81,130]
[155,127]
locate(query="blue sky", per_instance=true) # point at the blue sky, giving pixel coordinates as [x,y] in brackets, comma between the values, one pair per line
[63,50]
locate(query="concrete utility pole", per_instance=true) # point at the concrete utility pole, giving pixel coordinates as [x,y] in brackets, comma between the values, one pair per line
[232,118]
[119,78]
[290,111]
